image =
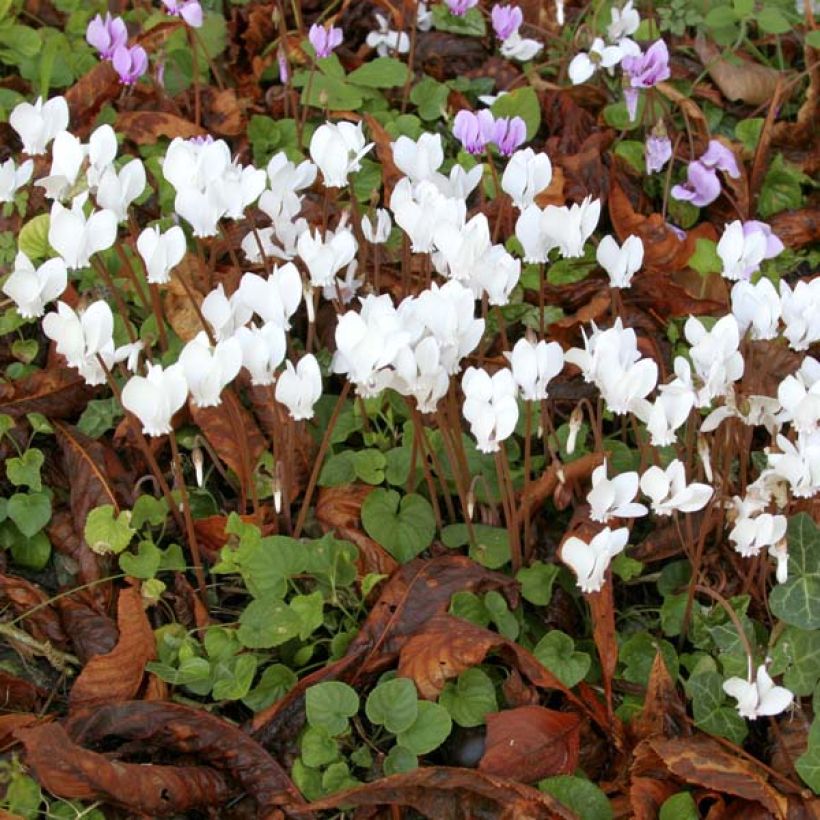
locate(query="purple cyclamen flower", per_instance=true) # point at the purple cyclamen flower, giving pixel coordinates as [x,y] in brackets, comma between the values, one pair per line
[460,7]
[658,152]
[506,20]
[324,40]
[645,71]
[509,134]
[702,186]
[189,10]
[474,131]
[719,156]
[284,68]
[106,35]
[130,63]
[773,243]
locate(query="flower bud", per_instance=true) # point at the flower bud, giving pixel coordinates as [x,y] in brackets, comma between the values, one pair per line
[575,421]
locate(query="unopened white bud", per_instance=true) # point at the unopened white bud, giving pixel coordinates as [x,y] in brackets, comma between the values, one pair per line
[705,457]
[199,461]
[575,422]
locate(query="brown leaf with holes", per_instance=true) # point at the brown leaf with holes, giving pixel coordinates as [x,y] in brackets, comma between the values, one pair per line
[59,392]
[191,732]
[530,743]
[702,761]
[93,468]
[233,434]
[148,127]
[118,675]
[339,509]
[69,771]
[445,646]
[750,82]
[446,793]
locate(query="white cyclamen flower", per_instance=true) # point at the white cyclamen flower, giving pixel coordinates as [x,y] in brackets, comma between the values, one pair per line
[300,388]
[750,535]
[534,364]
[799,397]
[102,151]
[620,263]
[798,463]
[526,175]
[568,228]
[209,370]
[624,23]
[516,47]
[489,406]
[39,123]
[117,191]
[379,233]
[31,289]
[326,256]
[669,491]
[337,148]
[589,561]
[740,252]
[613,497]
[67,156]
[756,308]
[225,315]
[161,252]
[274,298]
[801,312]
[77,238]
[600,55]
[760,697]
[12,178]
[263,350]
[155,397]
[715,355]
[418,159]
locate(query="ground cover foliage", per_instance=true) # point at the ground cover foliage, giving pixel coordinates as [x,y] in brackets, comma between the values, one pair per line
[409,409]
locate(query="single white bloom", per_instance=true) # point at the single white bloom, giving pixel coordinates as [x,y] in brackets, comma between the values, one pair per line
[613,497]
[750,535]
[31,289]
[799,396]
[419,210]
[117,191]
[344,288]
[715,356]
[419,373]
[263,350]
[600,55]
[202,210]
[209,370]
[758,698]
[379,233]
[300,388]
[386,40]
[225,315]
[161,252]
[756,308]
[155,397]
[624,23]
[461,247]
[239,187]
[671,407]
[326,256]
[798,463]
[801,312]
[529,230]
[590,561]
[77,238]
[337,148]
[516,47]
[13,178]
[780,553]
[496,273]
[526,175]
[418,159]
[489,406]
[424,17]
[39,123]
[669,492]
[460,183]
[740,253]
[620,263]
[80,338]
[286,179]
[102,151]
[569,228]
[534,364]
[275,298]
[195,165]
[67,156]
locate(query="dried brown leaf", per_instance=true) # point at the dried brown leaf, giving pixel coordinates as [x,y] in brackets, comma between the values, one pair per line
[59,392]
[118,675]
[531,742]
[147,127]
[17,694]
[663,713]
[40,620]
[91,632]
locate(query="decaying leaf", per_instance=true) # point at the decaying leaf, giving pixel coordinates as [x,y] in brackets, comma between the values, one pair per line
[147,127]
[531,742]
[59,392]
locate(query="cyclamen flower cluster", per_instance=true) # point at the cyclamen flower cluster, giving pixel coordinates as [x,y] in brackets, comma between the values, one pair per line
[477,131]
[110,37]
[506,22]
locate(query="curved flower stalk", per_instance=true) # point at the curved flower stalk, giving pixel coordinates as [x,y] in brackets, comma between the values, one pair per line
[590,561]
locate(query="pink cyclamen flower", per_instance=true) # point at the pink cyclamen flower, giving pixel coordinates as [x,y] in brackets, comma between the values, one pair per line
[106,35]
[474,131]
[460,7]
[130,63]
[509,134]
[644,71]
[189,10]
[324,40]
[284,68]
[658,152]
[702,186]
[506,20]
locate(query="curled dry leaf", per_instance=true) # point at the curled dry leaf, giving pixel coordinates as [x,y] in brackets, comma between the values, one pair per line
[449,794]
[118,675]
[702,761]
[538,491]
[58,393]
[650,784]
[664,712]
[18,694]
[91,632]
[147,127]
[188,731]
[40,619]
[530,743]
[67,541]
[339,509]
[747,81]
[69,771]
